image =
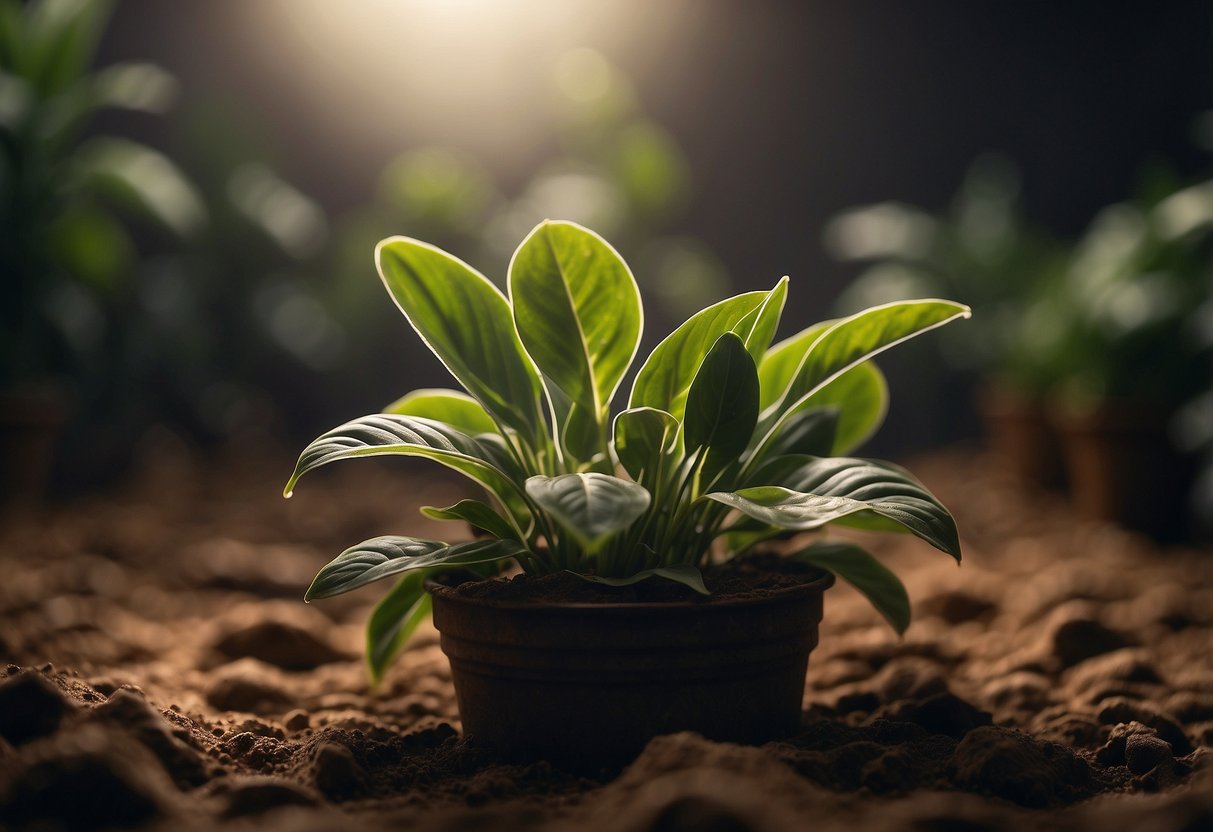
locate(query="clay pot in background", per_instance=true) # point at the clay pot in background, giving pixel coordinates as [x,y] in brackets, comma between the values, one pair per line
[1123,468]
[1019,432]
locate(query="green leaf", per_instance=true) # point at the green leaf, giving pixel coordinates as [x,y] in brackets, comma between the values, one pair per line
[855,339]
[810,431]
[578,433]
[467,323]
[646,440]
[780,363]
[477,514]
[455,408]
[758,327]
[577,309]
[142,87]
[861,397]
[849,491]
[872,578]
[665,378]
[382,557]
[722,404]
[684,574]
[384,434]
[395,619]
[592,507]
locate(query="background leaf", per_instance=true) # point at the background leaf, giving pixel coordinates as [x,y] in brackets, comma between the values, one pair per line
[382,557]
[873,579]
[467,323]
[577,309]
[592,507]
[452,407]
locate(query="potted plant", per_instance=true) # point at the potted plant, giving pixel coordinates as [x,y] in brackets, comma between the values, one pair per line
[726,442]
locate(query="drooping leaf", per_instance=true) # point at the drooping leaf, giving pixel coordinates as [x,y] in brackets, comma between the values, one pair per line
[646,440]
[685,575]
[467,323]
[592,507]
[577,309]
[849,491]
[382,557]
[395,619]
[452,407]
[722,404]
[386,434]
[666,376]
[872,578]
[475,513]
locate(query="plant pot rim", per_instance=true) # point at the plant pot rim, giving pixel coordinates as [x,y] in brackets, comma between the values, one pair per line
[713,602]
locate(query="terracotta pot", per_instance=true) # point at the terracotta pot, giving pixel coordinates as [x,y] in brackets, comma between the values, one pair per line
[1124,469]
[31,425]
[1021,436]
[589,684]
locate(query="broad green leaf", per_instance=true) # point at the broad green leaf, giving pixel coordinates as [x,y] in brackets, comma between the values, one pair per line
[861,397]
[855,339]
[134,86]
[758,327]
[666,376]
[592,507]
[477,514]
[780,363]
[851,492]
[578,432]
[646,440]
[872,578]
[722,404]
[685,575]
[382,557]
[383,434]
[577,309]
[395,619]
[467,323]
[453,407]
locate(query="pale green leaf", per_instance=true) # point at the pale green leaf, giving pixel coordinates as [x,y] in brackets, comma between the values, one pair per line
[758,327]
[577,309]
[592,507]
[453,407]
[475,513]
[683,574]
[467,323]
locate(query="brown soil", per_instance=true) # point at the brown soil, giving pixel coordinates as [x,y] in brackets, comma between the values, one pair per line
[164,674]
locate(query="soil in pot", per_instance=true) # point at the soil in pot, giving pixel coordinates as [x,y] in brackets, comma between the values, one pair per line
[585,675]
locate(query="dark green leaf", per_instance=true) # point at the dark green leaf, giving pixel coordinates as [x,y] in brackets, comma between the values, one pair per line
[387,434]
[395,619]
[809,432]
[646,441]
[382,557]
[477,514]
[872,578]
[686,575]
[850,492]
[722,404]
[592,507]
[468,324]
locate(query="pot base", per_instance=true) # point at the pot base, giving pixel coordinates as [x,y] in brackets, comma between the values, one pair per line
[591,683]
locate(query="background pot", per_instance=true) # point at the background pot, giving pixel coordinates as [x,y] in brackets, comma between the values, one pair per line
[32,420]
[591,684]
[1021,436]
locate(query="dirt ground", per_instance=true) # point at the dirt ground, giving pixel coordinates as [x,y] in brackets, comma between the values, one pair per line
[163,673]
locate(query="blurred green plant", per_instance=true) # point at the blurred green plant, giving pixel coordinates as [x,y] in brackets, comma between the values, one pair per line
[67,259]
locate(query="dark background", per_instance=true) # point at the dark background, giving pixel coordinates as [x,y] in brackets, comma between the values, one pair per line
[788,112]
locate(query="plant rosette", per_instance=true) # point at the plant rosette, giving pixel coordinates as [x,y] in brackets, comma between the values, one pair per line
[727,442]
